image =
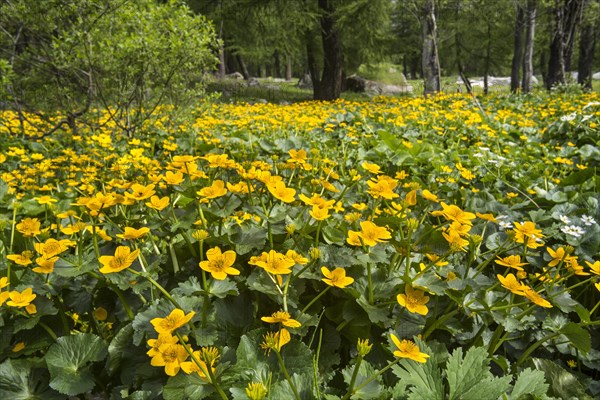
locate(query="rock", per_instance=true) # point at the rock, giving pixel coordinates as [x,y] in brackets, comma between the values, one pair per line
[305,82]
[359,84]
[235,75]
[252,82]
[498,81]
[596,76]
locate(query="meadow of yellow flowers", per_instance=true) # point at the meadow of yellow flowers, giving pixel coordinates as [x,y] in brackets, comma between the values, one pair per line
[397,248]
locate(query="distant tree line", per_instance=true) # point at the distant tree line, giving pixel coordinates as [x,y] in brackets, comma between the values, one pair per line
[330,39]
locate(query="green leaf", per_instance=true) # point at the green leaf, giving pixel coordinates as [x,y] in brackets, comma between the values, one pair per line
[424,380]
[563,384]
[224,288]
[184,386]
[21,381]
[372,390]
[68,361]
[577,178]
[579,337]
[118,347]
[465,373]
[489,388]
[303,384]
[529,382]
[71,266]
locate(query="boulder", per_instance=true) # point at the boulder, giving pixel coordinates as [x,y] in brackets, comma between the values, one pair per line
[596,76]
[252,82]
[235,75]
[359,84]
[305,82]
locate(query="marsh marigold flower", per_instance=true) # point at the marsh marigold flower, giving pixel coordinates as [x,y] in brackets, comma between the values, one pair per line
[526,232]
[281,192]
[140,192]
[169,356]
[217,189]
[132,233]
[511,283]
[192,367]
[273,262]
[45,265]
[256,391]
[158,203]
[454,213]
[163,338]
[29,227]
[176,319]
[22,259]
[414,300]
[122,259]
[219,264]
[535,297]
[595,267]
[408,349]
[283,318]
[22,299]
[513,261]
[370,233]
[336,278]
[275,340]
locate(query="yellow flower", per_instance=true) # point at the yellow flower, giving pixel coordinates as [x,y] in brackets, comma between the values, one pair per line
[513,261]
[140,192]
[273,262]
[29,227]
[487,217]
[371,234]
[454,213]
[18,347]
[45,264]
[100,314]
[372,168]
[45,200]
[597,285]
[526,232]
[427,195]
[298,258]
[174,320]
[191,367]
[158,203]
[535,297]
[336,278]
[122,259]
[173,178]
[382,187]
[170,356]
[408,349]
[163,338]
[217,189]
[132,233]
[511,283]
[219,264]
[52,247]
[3,282]
[297,156]
[455,241]
[275,340]
[23,259]
[414,300]
[283,318]
[595,267]
[319,213]
[281,192]
[21,299]
[256,391]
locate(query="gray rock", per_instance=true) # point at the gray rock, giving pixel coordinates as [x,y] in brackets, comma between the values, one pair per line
[305,82]
[235,75]
[359,84]
[252,82]
[596,76]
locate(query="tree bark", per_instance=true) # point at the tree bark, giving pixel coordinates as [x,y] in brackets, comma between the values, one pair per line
[573,17]
[517,60]
[430,61]
[530,16]
[587,44]
[243,67]
[556,62]
[329,87]
[221,73]
[288,68]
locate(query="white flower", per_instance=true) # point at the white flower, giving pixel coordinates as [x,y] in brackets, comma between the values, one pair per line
[573,230]
[564,219]
[587,220]
[569,117]
[505,225]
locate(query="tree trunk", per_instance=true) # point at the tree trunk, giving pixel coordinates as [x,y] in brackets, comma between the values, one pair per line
[488,59]
[573,15]
[430,61]
[329,87]
[243,67]
[587,44]
[221,73]
[288,68]
[276,65]
[517,60]
[556,63]
[311,60]
[530,16]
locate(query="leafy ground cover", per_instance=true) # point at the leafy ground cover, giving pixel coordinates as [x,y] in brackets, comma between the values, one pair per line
[397,248]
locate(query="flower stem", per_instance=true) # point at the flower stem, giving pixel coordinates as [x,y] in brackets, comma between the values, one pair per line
[317,297]
[286,374]
[370,282]
[371,379]
[354,374]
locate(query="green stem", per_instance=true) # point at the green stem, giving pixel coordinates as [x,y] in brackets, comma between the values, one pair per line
[533,347]
[286,374]
[317,297]
[370,283]
[158,286]
[371,379]
[439,322]
[354,374]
